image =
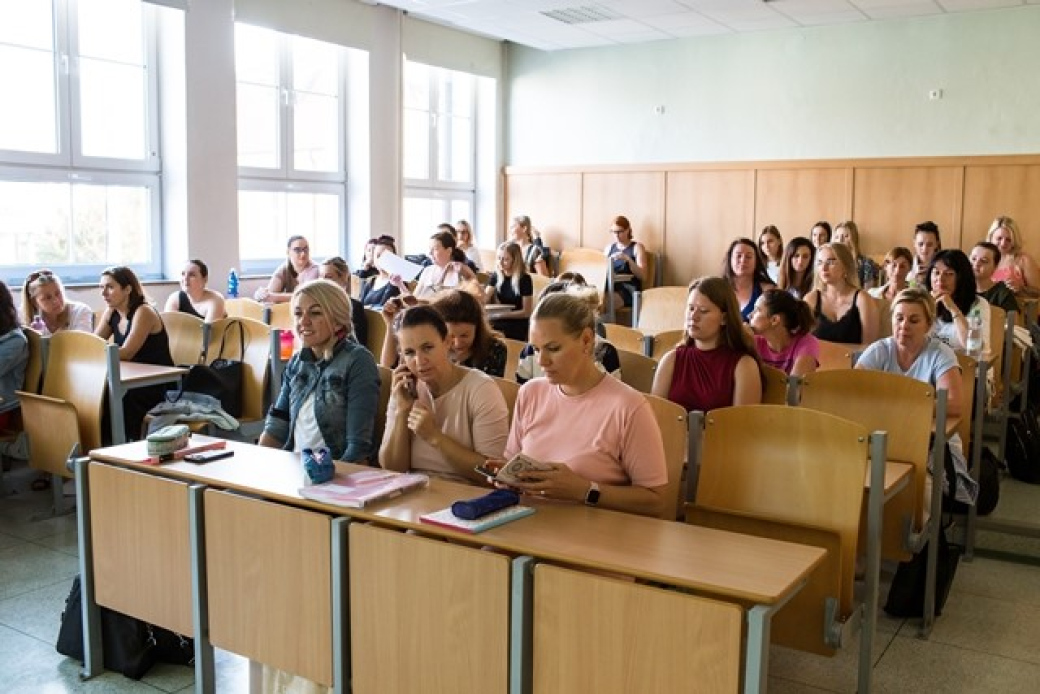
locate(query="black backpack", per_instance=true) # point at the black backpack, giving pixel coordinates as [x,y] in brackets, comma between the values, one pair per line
[1023,446]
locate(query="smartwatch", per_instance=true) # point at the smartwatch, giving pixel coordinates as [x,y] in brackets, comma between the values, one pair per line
[592,496]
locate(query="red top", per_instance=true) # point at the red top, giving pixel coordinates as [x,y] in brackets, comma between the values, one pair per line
[704,380]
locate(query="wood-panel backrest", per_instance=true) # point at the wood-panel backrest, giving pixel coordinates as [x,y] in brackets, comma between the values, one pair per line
[34,366]
[650,273]
[884,310]
[664,342]
[510,389]
[376,332]
[775,390]
[673,421]
[590,262]
[539,283]
[244,307]
[789,464]
[513,350]
[964,427]
[625,338]
[880,401]
[489,259]
[77,372]
[187,337]
[637,370]
[661,309]
[280,316]
[255,362]
[835,355]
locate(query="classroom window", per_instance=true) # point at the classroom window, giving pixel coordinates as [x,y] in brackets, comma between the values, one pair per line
[79,156]
[291,150]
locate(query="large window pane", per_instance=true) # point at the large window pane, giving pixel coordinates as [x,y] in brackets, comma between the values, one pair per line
[258,142]
[111,30]
[113,112]
[256,55]
[316,133]
[268,218]
[32,126]
[416,144]
[315,66]
[27,23]
[456,149]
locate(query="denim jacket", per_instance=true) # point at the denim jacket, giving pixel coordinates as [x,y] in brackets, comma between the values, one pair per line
[346,395]
[14,353]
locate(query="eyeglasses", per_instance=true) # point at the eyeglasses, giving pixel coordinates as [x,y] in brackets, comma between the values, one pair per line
[41,274]
[300,250]
[616,231]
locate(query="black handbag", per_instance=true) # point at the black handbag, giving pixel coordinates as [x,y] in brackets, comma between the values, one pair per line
[221,378]
[906,595]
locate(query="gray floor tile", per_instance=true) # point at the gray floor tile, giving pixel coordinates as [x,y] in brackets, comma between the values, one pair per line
[836,674]
[66,541]
[988,625]
[911,665]
[778,685]
[1002,580]
[37,613]
[29,566]
[9,540]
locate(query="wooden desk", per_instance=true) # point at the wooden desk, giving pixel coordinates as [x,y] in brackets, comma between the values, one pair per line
[430,578]
[126,375]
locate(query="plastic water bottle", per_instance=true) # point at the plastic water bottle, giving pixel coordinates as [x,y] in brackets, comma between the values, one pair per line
[973,345]
[232,284]
[38,325]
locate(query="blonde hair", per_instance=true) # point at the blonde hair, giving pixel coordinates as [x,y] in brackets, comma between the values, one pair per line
[1009,225]
[512,249]
[574,308]
[844,255]
[919,297]
[853,230]
[333,302]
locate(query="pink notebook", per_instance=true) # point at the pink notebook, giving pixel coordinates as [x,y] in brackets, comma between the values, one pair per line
[359,489]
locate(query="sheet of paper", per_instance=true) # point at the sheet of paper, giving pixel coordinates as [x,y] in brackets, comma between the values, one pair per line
[396,265]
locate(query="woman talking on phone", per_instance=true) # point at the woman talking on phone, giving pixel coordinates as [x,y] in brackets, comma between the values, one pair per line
[442,419]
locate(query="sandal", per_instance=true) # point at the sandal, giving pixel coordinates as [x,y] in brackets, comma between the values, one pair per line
[40,484]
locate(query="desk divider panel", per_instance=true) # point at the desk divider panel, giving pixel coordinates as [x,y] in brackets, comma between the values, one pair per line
[426,615]
[594,633]
[141,546]
[269,572]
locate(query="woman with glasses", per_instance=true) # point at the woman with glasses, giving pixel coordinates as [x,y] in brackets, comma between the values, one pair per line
[843,313]
[464,235]
[296,270]
[627,257]
[194,298]
[43,295]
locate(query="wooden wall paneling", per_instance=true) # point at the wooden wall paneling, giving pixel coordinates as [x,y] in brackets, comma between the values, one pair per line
[992,191]
[795,199]
[704,212]
[639,195]
[552,201]
[889,201]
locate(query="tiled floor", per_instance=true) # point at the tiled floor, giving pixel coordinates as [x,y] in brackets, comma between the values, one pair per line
[986,641]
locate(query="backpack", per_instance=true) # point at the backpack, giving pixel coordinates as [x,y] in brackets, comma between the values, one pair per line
[1023,446]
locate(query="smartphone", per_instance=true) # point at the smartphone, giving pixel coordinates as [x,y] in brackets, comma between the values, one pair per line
[203,457]
[486,471]
[409,300]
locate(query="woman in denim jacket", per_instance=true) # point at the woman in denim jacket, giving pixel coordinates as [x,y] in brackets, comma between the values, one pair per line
[330,389]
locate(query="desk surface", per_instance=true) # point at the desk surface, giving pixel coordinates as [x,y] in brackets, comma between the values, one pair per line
[711,561]
[132,372]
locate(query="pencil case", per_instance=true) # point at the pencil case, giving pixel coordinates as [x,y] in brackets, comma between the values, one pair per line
[168,440]
[472,509]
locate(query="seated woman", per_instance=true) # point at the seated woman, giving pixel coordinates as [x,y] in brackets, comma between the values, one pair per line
[330,388]
[897,267]
[843,312]
[194,298]
[471,342]
[772,246]
[296,270]
[465,240]
[913,351]
[866,269]
[783,333]
[717,364]
[43,295]
[927,241]
[627,257]
[336,270]
[985,257]
[534,255]
[1017,269]
[796,268]
[605,354]
[745,270]
[598,434]
[953,288]
[820,233]
[380,288]
[448,270]
[368,260]
[510,284]
[443,419]
[138,329]
[14,355]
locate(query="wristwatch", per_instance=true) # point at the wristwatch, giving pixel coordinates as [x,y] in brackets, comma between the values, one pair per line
[592,496]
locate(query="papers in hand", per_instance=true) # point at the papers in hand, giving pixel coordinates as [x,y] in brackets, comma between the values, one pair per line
[396,265]
[359,489]
[519,468]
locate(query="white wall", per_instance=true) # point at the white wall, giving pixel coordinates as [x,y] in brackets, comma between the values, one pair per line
[856,90]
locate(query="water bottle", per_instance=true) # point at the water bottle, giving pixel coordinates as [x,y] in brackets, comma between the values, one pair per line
[232,284]
[38,325]
[973,345]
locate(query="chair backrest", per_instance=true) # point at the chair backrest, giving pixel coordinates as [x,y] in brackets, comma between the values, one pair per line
[77,372]
[969,367]
[801,467]
[513,350]
[33,367]
[673,421]
[665,341]
[624,338]
[661,309]
[775,390]
[256,360]
[386,376]
[835,355]
[244,307]
[376,332]
[509,389]
[539,283]
[880,401]
[997,329]
[280,316]
[187,336]
[650,274]
[637,370]
[355,286]
[590,262]
[884,310]
[488,258]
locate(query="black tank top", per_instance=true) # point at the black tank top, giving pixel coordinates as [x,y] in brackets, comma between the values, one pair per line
[848,329]
[156,347]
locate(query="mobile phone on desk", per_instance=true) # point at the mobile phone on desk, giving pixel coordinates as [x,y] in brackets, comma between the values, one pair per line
[203,457]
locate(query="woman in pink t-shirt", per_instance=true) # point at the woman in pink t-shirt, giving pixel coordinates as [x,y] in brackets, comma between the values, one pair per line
[598,436]
[783,333]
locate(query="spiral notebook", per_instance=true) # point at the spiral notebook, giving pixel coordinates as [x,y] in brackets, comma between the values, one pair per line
[359,489]
[446,519]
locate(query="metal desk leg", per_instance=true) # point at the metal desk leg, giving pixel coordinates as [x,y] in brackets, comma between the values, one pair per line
[521,608]
[205,672]
[115,395]
[93,658]
[341,670]
[868,627]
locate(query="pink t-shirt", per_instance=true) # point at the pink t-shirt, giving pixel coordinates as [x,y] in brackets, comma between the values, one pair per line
[799,346]
[607,434]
